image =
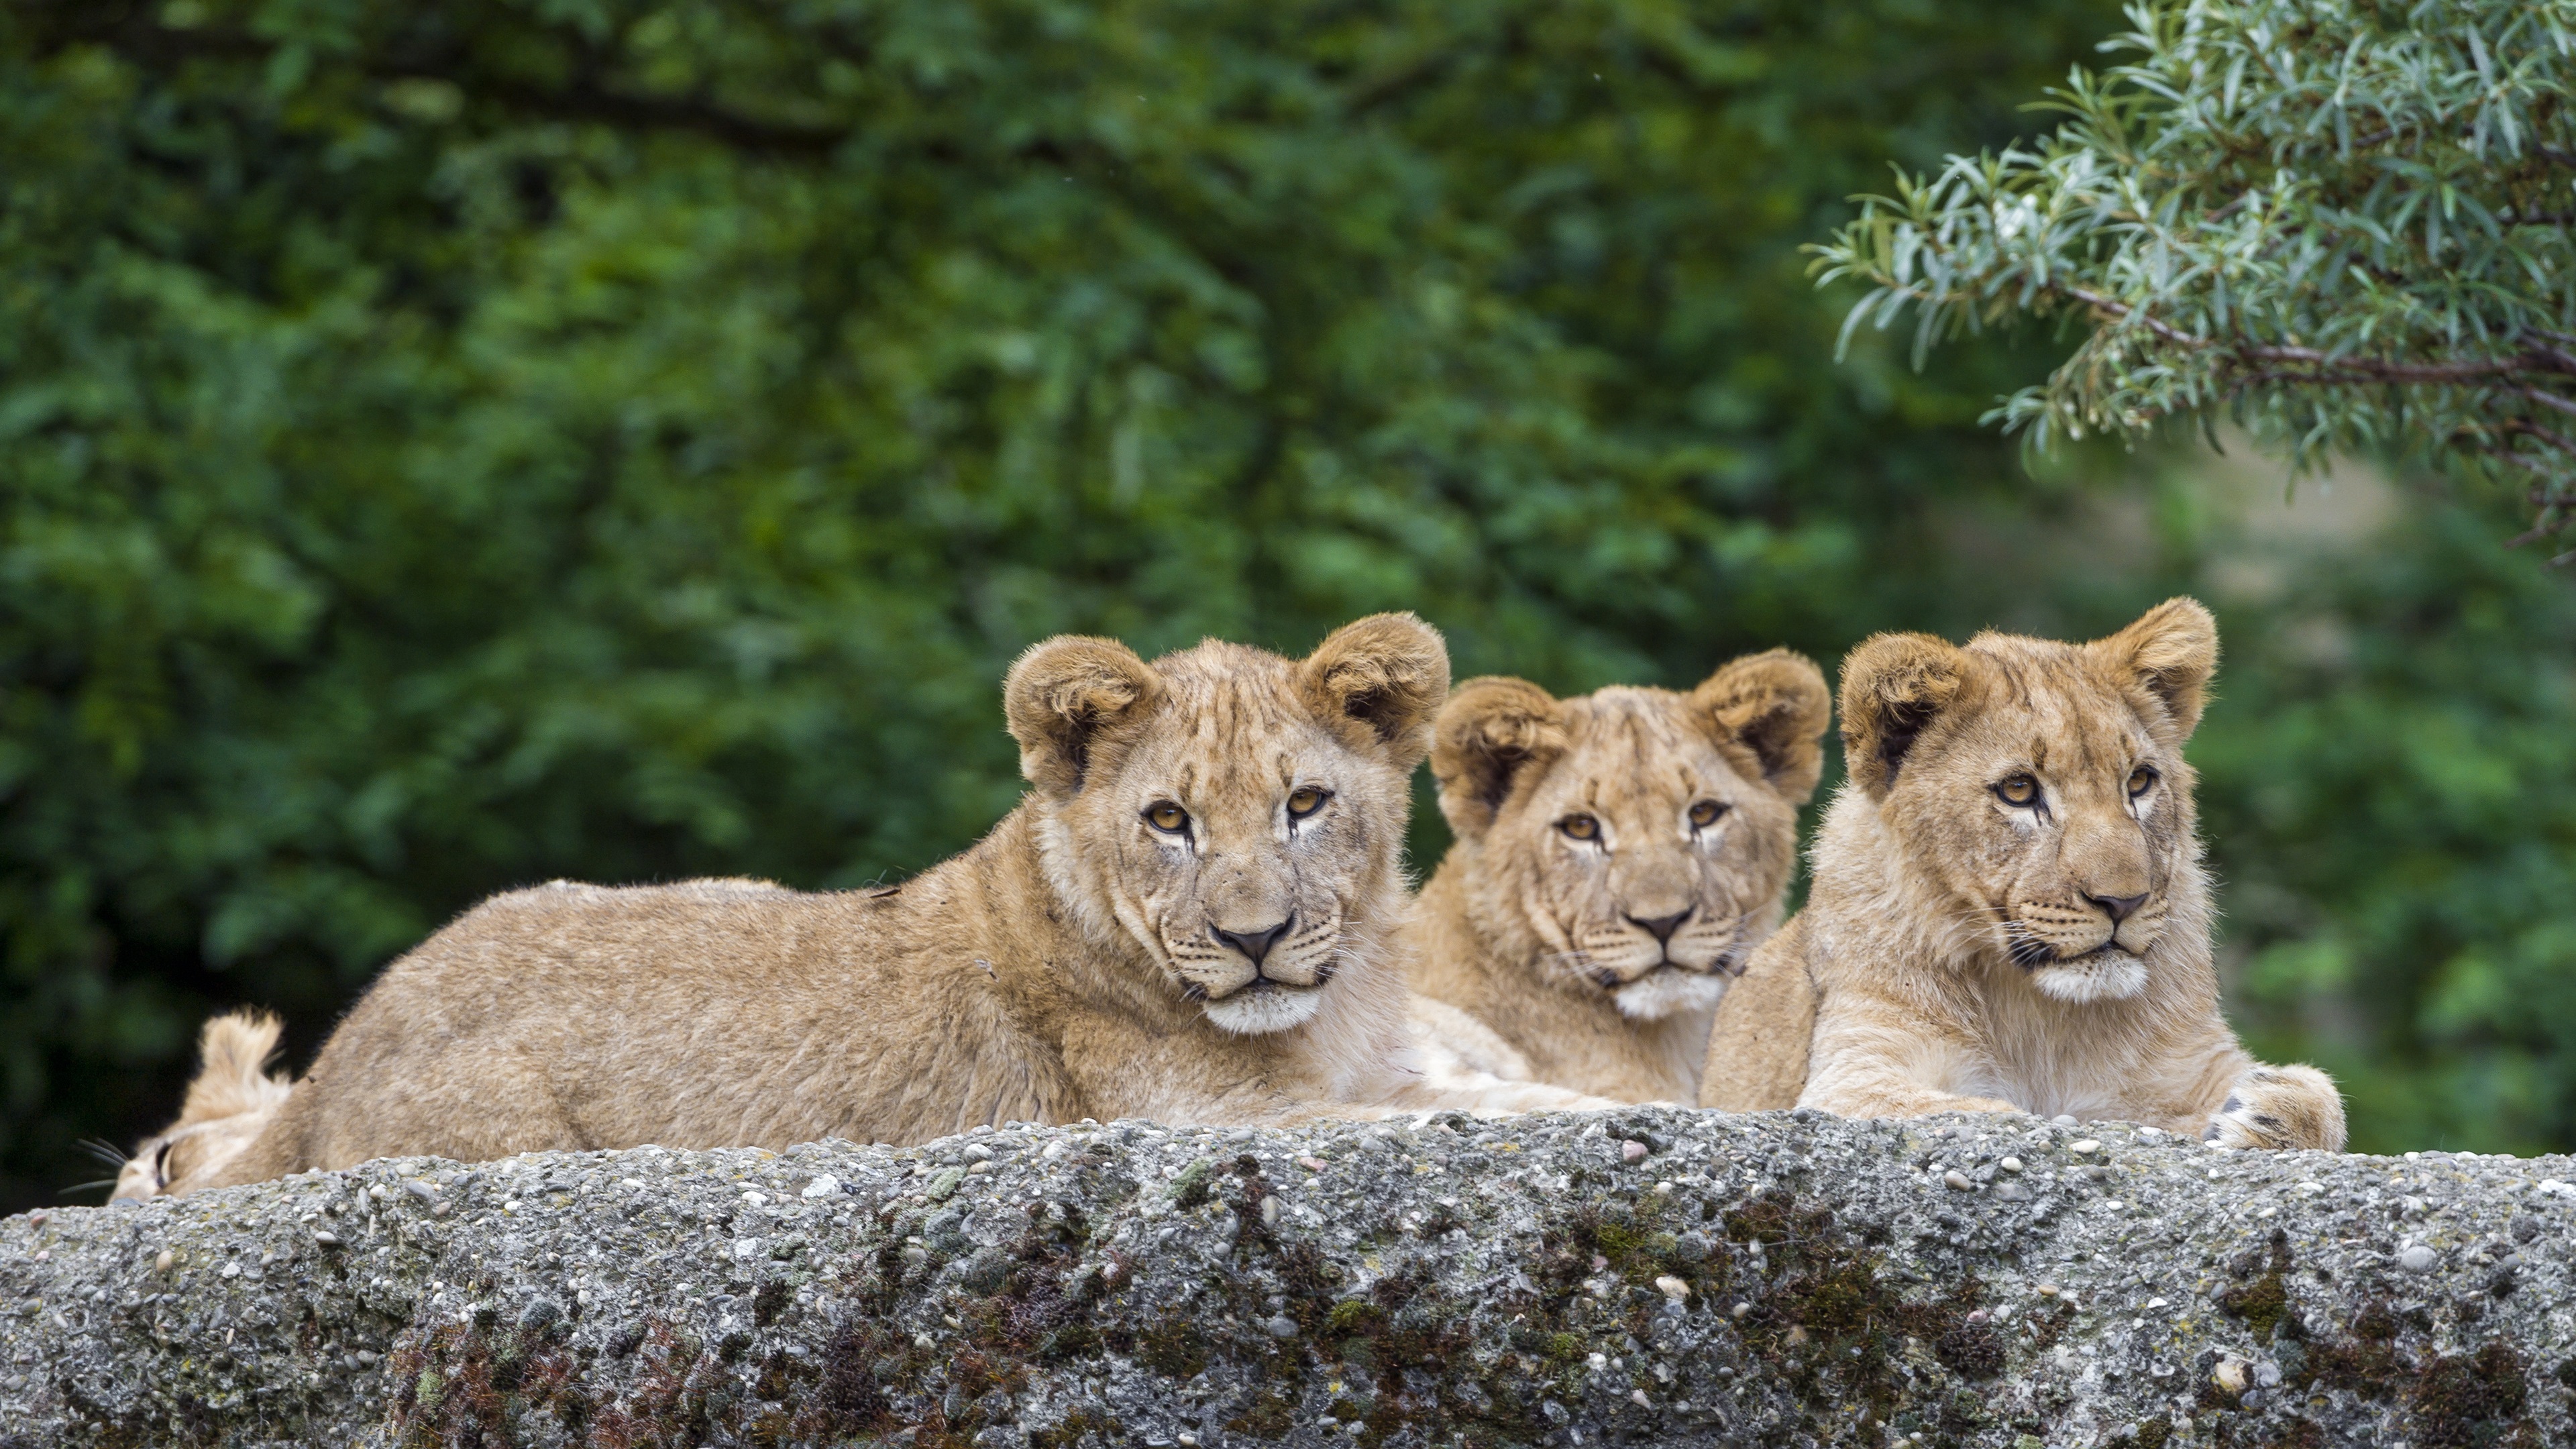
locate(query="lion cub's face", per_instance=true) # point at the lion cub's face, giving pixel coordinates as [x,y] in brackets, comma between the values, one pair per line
[1235,814]
[2041,783]
[1634,842]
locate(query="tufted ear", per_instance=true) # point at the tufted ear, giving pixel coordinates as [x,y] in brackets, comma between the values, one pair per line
[1893,686]
[1064,696]
[1774,703]
[2170,652]
[1378,681]
[1489,732]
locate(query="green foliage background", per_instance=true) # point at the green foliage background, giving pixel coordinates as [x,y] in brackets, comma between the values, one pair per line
[448,446]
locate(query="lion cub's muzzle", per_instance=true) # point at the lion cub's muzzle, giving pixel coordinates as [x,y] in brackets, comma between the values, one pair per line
[1262,980]
[2047,933]
[2090,949]
[1696,942]
[1291,955]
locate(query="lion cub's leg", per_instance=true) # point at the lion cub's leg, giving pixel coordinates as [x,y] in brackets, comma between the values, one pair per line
[1758,1049]
[2291,1108]
[1896,1099]
[1451,1084]
[1449,1039]
[1869,1061]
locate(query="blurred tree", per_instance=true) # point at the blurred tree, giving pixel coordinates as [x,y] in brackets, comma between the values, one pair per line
[2389,788]
[449,445]
[2341,224]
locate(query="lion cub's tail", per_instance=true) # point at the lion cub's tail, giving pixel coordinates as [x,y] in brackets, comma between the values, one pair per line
[231,1100]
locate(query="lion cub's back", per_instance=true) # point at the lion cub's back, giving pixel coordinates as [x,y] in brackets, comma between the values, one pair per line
[707,1013]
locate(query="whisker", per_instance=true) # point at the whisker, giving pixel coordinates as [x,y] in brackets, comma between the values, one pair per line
[86,1186]
[105,1151]
[2027,950]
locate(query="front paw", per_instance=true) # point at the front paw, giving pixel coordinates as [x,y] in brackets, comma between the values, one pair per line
[2279,1109]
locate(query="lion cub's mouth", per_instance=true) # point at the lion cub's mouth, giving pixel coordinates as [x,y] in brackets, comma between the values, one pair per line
[2108,972]
[1728,963]
[1261,985]
[1265,1004]
[2035,956]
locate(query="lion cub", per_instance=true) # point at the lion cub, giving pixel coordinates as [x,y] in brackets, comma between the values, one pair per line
[231,1100]
[1618,858]
[1185,919]
[2009,911]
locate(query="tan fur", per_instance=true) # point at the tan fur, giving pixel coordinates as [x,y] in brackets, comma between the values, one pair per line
[229,1103]
[1536,936]
[1757,1048]
[1067,966]
[1958,953]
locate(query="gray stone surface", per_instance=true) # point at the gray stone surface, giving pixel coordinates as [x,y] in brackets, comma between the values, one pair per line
[1784,1279]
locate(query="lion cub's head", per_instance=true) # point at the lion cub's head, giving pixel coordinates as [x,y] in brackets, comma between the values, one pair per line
[1634,842]
[1237,815]
[2041,785]
[232,1098]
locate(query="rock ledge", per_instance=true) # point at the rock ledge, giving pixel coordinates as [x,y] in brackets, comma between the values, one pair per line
[1667,1276]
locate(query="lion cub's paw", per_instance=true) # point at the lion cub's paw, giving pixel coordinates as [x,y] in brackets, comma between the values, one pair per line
[2280,1108]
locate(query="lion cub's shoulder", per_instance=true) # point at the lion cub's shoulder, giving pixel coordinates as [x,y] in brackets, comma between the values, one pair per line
[1757,1051]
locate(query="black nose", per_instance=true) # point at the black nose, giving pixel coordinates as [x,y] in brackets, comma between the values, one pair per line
[1661,927]
[2119,907]
[1254,944]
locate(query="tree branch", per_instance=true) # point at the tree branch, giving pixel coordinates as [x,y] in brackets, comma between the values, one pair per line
[2362,369]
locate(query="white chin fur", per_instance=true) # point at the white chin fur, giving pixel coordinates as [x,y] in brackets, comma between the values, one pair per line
[1659,994]
[2111,976]
[1258,1013]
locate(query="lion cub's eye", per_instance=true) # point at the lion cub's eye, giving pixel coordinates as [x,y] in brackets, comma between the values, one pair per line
[1580,827]
[1704,814]
[2017,790]
[2139,780]
[1306,802]
[1167,817]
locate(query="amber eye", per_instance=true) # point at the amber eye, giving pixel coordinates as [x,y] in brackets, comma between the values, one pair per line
[2140,779]
[1704,814]
[1306,802]
[1167,817]
[1580,827]
[2017,790]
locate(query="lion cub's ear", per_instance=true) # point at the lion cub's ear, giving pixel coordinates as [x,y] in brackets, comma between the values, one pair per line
[1065,697]
[1378,681]
[1488,733]
[2170,653]
[1893,686]
[1775,704]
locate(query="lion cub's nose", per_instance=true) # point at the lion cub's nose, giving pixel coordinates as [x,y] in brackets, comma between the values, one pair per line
[1254,944]
[1661,927]
[2120,908]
